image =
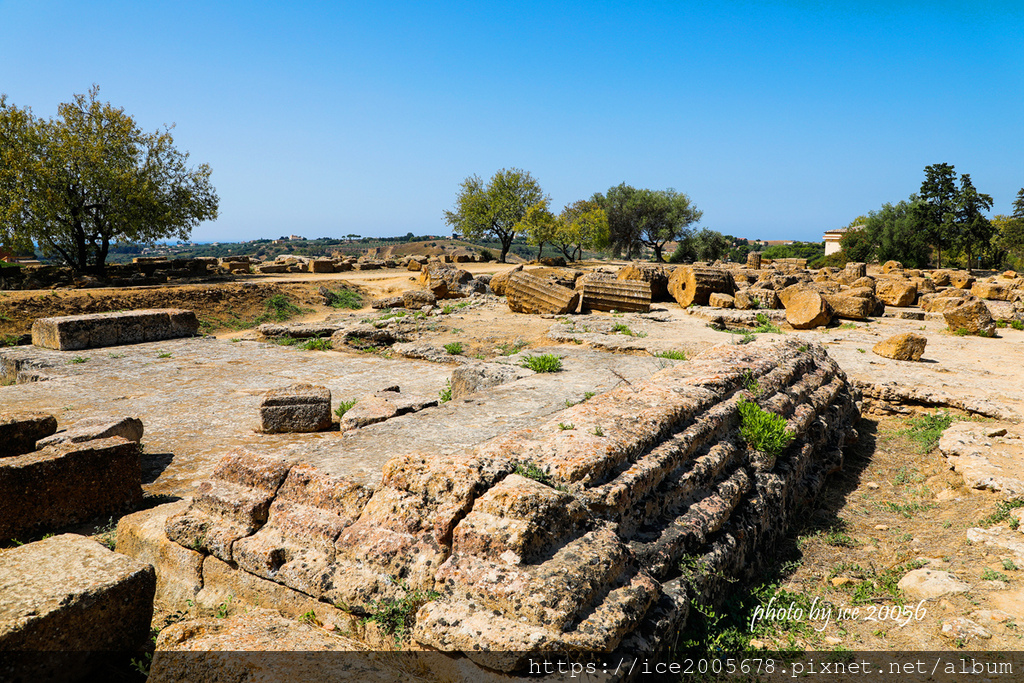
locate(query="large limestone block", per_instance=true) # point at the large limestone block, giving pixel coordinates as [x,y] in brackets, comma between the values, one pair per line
[75,332]
[20,431]
[855,271]
[67,484]
[444,280]
[961,279]
[695,284]
[530,294]
[418,298]
[850,307]
[622,295]
[654,275]
[471,378]
[499,281]
[971,315]
[907,346]
[746,299]
[896,292]
[179,570]
[720,300]
[90,428]
[806,308]
[996,291]
[296,408]
[65,598]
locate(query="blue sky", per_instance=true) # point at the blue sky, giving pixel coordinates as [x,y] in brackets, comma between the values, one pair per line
[779,119]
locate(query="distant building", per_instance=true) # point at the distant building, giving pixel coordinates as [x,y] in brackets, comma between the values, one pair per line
[833,239]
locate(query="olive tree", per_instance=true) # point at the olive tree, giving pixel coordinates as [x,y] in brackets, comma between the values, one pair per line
[75,184]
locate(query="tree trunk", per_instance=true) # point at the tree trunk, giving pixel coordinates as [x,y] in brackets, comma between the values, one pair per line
[657,253]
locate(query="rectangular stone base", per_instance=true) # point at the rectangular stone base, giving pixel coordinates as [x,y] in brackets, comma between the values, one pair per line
[74,332]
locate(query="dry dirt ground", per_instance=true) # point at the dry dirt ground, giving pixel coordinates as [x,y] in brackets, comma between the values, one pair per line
[895,506]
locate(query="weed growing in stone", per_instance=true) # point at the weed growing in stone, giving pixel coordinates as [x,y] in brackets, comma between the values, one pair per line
[317,344]
[9,340]
[861,351]
[164,354]
[1017,324]
[764,431]
[993,575]
[107,534]
[565,426]
[750,382]
[224,608]
[396,616]
[598,431]
[531,471]
[671,355]
[235,340]
[547,362]
[621,328]
[445,394]
[746,338]
[115,355]
[454,349]
[1002,514]
[507,349]
[310,618]
[1009,565]
[78,359]
[344,407]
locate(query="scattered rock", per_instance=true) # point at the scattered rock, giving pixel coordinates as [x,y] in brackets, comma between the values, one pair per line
[971,315]
[984,463]
[908,346]
[90,428]
[924,584]
[296,408]
[964,630]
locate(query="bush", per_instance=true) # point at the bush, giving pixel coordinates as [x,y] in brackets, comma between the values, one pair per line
[547,362]
[453,349]
[346,298]
[764,431]
[445,394]
[317,344]
[277,308]
[344,407]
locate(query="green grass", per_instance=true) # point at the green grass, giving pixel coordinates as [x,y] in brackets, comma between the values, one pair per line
[882,586]
[547,362]
[277,308]
[566,426]
[454,349]
[344,407]
[1017,324]
[764,431]
[962,332]
[925,431]
[992,575]
[507,349]
[451,308]
[164,354]
[750,382]
[746,338]
[1009,565]
[765,325]
[531,471]
[671,355]
[906,510]
[345,298]
[621,328]
[78,359]
[598,431]
[9,340]
[317,344]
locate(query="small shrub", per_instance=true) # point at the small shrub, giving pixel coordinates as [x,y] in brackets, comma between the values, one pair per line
[310,618]
[764,431]
[346,298]
[620,328]
[9,340]
[750,382]
[1001,324]
[317,344]
[847,326]
[587,395]
[344,407]
[224,608]
[547,362]
[746,338]
[107,534]
[453,349]
[396,616]
[802,348]
[531,471]
[278,308]
[235,340]
[1017,324]
[672,355]
[986,333]
[765,325]
[861,351]
[993,575]
[445,394]
[1009,565]
[507,349]
[486,255]
[962,332]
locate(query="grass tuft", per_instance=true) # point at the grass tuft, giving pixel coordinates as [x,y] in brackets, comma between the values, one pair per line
[547,362]
[764,431]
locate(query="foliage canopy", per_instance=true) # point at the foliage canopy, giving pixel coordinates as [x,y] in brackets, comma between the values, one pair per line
[89,178]
[651,218]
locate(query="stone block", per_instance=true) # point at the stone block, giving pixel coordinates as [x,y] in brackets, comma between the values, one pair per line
[20,431]
[907,346]
[971,315]
[530,294]
[721,300]
[321,266]
[654,275]
[695,284]
[418,298]
[66,602]
[91,428]
[179,570]
[896,292]
[68,484]
[297,408]
[805,308]
[599,294]
[75,332]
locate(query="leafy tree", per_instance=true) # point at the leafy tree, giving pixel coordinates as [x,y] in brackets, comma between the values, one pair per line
[644,217]
[581,225]
[540,226]
[973,230]
[76,184]
[496,209]
[896,232]
[1011,228]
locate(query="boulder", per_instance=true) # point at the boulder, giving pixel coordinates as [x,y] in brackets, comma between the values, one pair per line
[806,308]
[387,302]
[896,292]
[469,379]
[855,271]
[721,300]
[961,279]
[971,315]
[925,584]
[499,281]
[907,346]
[849,307]
[940,278]
[66,603]
[992,290]
[418,298]
[20,431]
[296,408]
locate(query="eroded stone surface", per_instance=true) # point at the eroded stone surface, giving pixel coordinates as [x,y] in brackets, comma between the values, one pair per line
[925,584]
[985,458]
[75,332]
[129,428]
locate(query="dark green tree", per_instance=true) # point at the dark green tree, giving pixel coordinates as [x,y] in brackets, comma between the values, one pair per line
[496,209]
[893,233]
[938,206]
[974,231]
[89,178]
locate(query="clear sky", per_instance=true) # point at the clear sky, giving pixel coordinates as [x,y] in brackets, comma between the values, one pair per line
[780,119]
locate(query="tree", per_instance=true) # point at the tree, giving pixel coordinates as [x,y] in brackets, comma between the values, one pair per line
[76,184]
[1011,228]
[938,206]
[643,217]
[896,232]
[496,209]
[974,231]
[581,225]
[540,226]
